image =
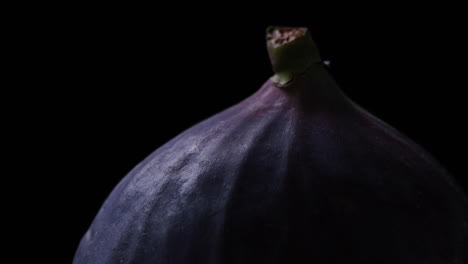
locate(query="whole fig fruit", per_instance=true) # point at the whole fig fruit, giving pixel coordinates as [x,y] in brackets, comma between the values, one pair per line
[296,173]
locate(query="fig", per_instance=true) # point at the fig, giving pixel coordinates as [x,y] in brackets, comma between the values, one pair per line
[295,173]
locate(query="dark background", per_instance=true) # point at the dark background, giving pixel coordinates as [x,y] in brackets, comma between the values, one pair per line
[110,84]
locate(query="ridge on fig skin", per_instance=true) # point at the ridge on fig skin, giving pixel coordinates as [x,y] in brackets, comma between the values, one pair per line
[285,176]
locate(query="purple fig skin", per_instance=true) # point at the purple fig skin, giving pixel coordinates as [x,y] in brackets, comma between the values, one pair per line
[298,174]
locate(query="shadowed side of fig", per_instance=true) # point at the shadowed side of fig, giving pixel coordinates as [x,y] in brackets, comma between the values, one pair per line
[295,173]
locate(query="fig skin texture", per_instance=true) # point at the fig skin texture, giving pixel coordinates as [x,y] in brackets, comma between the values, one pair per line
[295,173]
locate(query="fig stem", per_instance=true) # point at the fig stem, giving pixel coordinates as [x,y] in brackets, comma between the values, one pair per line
[291,51]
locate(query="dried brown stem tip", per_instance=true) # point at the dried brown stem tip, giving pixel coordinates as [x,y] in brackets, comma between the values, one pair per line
[282,35]
[291,51]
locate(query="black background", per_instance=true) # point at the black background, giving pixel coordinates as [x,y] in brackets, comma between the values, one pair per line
[107,85]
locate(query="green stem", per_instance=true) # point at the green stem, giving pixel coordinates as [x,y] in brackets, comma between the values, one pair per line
[291,52]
